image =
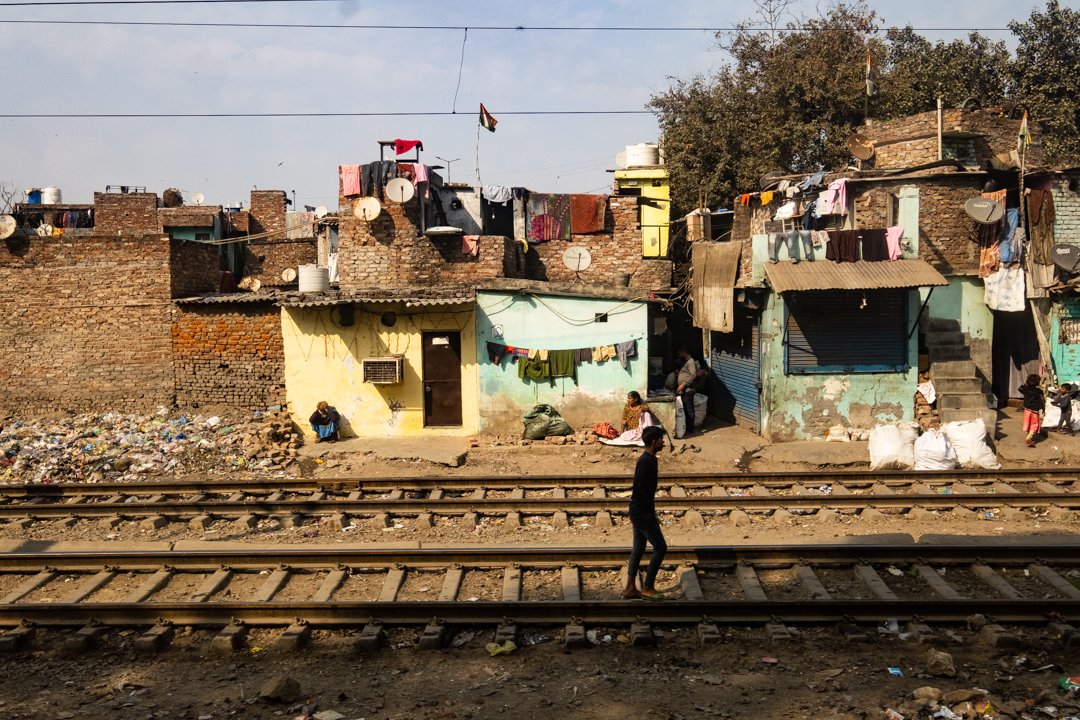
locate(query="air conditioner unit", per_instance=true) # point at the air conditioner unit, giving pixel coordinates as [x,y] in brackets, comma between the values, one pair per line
[383,370]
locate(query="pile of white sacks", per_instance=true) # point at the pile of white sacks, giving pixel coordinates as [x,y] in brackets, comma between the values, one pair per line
[956,444]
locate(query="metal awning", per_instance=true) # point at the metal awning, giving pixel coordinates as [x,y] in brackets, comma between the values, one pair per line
[860,275]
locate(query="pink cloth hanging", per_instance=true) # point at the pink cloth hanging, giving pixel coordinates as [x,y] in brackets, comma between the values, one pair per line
[470,245]
[892,240]
[350,179]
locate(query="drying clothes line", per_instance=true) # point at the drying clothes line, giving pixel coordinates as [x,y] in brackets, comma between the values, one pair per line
[624,351]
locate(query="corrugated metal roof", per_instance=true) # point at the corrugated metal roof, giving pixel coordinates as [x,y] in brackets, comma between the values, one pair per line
[417,299]
[861,275]
[238,297]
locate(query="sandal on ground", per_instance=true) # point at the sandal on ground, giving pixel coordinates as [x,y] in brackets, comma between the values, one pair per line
[654,595]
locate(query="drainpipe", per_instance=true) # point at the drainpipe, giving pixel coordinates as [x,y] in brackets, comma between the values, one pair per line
[940,122]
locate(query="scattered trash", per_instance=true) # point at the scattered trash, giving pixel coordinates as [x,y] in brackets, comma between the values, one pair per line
[895,672]
[462,638]
[889,627]
[1070,684]
[769,660]
[505,649]
[944,713]
[891,714]
[894,571]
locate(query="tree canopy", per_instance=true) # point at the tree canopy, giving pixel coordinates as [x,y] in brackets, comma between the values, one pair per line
[791,95]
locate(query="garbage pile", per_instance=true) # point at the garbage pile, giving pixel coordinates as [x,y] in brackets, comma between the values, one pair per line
[112,447]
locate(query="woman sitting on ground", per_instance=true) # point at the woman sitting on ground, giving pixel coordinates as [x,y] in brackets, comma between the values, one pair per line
[324,421]
[631,414]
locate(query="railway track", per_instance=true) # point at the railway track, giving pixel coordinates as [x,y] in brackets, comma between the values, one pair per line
[215,585]
[697,498]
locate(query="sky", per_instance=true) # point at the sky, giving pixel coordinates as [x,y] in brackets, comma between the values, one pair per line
[95,69]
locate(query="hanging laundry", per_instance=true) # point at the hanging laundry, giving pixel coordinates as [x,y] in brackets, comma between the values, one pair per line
[561,363]
[766,197]
[893,236]
[496,352]
[519,352]
[603,353]
[875,247]
[548,217]
[587,213]
[1008,249]
[1004,290]
[583,355]
[1041,222]
[498,193]
[350,180]
[843,246]
[470,245]
[989,260]
[374,176]
[835,197]
[625,351]
[533,369]
[403,146]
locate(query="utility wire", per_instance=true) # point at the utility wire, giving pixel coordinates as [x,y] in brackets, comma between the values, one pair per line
[47,116]
[461,67]
[454,28]
[69,3]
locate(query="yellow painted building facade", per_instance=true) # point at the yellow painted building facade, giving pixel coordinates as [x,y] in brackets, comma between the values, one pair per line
[653,185]
[324,352]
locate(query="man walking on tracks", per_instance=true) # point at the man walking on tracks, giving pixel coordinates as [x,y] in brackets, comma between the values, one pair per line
[643,518]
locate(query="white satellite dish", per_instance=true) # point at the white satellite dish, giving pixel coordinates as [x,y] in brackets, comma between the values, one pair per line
[198,198]
[437,230]
[288,274]
[367,208]
[400,190]
[7,226]
[576,258]
[620,158]
[321,211]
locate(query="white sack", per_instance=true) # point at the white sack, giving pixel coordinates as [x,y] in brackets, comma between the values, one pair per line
[969,440]
[933,451]
[892,447]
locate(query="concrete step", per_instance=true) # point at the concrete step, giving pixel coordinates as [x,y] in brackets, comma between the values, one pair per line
[989,416]
[952,369]
[948,337]
[945,385]
[949,352]
[961,400]
[942,325]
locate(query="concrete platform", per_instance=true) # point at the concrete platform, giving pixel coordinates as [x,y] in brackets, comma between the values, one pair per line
[448,451]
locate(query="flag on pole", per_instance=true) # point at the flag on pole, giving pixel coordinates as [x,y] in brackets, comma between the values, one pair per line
[870,89]
[486,120]
[1024,138]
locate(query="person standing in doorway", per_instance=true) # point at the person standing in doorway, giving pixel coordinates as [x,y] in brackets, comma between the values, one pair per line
[644,520]
[686,380]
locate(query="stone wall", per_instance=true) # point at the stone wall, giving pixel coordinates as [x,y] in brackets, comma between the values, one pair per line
[86,321]
[1067,209]
[229,354]
[388,252]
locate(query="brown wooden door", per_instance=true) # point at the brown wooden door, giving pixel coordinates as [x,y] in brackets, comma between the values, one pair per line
[442,378]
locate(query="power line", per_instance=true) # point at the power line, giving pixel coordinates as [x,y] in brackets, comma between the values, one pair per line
[454,28]
[47,116]
[68,3]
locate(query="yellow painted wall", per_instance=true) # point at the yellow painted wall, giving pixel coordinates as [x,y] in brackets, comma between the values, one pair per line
[655,185]
[322,362]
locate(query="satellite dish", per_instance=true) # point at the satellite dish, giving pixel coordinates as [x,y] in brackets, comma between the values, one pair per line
[860,147]
[7,226]
[1066,256]
[984,211]
[321,211]
[444,230]
[576,258]
[367,208]
[620,158]
[198,198]
[288,275]
[400,190]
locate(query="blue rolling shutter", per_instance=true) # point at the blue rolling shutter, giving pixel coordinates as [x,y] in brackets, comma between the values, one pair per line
[735,387]
[846,331]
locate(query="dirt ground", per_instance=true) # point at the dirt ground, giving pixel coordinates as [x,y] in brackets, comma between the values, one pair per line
[820,672]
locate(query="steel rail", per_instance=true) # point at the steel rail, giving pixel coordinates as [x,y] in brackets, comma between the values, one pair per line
[203,556]
[534,506]
[345,614]
[891,478]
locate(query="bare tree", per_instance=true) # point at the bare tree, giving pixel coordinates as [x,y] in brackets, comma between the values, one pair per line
[9,195]
[773,14]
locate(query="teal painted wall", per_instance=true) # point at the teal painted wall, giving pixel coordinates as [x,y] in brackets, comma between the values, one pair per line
[800,407]
[557,323]
[962,300]
[1066,357]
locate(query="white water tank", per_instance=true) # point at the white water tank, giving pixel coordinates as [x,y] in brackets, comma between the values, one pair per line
[642,155]
[50,196]
[313,278]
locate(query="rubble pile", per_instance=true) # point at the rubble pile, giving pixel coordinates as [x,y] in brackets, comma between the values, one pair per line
[113,447]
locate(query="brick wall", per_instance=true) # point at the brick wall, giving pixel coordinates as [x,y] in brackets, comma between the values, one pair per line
[266,258]
[229,354]
[912,140]
[126,213]
[194,268]
[1066,210]
[387,252]
[86,322]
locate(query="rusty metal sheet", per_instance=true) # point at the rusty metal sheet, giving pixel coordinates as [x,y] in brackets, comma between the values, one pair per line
[716,265]
[861,275]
